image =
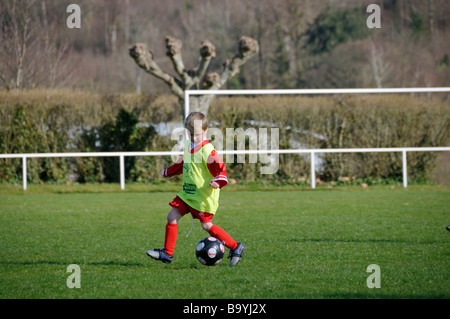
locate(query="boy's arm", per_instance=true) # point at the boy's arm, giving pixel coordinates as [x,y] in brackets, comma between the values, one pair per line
[217,169]
[175,169]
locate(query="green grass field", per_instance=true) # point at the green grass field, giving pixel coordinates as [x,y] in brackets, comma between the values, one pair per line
[301,244]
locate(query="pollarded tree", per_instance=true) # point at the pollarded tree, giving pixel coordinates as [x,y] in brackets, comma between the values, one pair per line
[197,78]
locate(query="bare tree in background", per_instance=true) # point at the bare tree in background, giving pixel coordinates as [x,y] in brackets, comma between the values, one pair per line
[15,38]
[197,78]
[56,71]
[380,66]
[33,48]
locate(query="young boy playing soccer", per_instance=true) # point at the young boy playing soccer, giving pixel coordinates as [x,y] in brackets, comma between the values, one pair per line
[204,174]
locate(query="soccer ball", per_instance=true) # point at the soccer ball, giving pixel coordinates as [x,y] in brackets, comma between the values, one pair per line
[209,251]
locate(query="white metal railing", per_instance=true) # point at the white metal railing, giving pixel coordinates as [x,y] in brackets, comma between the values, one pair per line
[312,153]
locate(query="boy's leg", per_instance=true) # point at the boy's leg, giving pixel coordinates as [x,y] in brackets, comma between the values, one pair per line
[171,234]
[236,249]
[170,238]
[220,234]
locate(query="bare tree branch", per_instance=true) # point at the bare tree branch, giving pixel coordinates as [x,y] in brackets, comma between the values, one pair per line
[173,47]
[211,78]
[247,48]
[144,59]
[207,53]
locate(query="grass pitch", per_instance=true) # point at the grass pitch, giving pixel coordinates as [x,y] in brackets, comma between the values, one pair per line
[301,244]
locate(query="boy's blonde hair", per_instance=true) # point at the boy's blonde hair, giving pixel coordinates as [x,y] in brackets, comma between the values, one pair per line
[192,118]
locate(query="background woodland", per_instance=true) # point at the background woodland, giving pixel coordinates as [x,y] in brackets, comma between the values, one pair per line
[303,44]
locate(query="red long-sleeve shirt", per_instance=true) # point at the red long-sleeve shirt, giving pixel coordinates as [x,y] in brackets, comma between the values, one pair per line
[214,163]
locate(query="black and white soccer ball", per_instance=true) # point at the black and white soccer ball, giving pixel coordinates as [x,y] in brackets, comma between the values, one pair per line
[209,251]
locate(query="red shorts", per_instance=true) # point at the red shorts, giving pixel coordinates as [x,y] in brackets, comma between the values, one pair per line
[185,208]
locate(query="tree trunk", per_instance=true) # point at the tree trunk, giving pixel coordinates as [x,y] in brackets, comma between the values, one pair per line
[199,103]
[431,15]
[138,80]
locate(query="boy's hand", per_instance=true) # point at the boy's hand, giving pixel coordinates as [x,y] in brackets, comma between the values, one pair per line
[214,184]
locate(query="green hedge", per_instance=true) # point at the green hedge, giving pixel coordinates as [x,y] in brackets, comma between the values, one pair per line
[352,121]
[76,121]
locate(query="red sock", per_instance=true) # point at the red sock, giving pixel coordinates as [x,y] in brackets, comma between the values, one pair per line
[220,234]
[170,238]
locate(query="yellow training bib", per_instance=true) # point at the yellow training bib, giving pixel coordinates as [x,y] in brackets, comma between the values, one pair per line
[196,178]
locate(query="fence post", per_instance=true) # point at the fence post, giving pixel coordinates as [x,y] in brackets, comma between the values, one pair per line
[24,173]
[405,170]
[313,170]
[122,172]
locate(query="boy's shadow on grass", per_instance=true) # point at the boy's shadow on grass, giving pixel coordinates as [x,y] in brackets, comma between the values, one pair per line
[62,263]
[365,240]
[144,264]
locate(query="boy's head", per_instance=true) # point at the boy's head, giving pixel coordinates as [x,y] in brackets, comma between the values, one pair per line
[197,125]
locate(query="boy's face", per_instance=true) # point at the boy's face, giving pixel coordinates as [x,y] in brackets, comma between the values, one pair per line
[197,136]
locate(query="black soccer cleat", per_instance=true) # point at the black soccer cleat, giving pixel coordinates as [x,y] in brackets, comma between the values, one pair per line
[236,254]
[160,254]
